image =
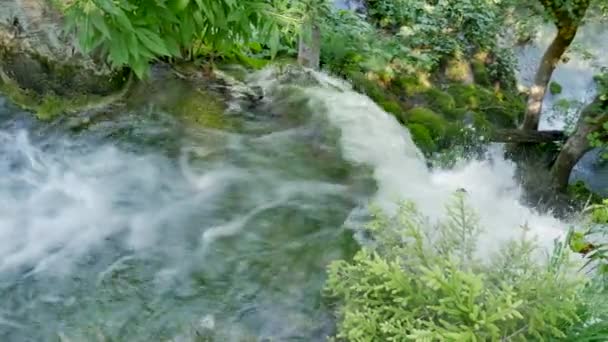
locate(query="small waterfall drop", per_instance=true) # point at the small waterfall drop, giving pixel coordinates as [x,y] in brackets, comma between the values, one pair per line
[373,137]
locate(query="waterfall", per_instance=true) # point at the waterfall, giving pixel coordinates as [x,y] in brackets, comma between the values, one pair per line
[373,137]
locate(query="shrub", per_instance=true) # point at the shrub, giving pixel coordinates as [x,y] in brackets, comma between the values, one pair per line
[417,281]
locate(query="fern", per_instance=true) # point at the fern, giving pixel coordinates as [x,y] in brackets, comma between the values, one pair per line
[421,282]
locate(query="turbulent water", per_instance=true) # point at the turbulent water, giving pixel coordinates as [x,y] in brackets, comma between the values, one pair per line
[144,227]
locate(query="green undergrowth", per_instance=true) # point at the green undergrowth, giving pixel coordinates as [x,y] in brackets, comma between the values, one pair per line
[418,281]
[437,114]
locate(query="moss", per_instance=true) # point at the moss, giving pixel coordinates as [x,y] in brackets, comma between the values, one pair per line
[480,73]
[439,100]
[455,114]
[422,138]
[390,106]
[580,193]
[555,88]
[427,118]
[502,109]
[411,85]
[49,105]
[202,108]
[458,70]
[368,87]
[468,96]
[481,123]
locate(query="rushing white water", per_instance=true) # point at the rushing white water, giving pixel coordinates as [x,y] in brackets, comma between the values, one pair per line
[373,137]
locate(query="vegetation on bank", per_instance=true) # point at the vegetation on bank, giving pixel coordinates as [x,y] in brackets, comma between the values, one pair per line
[419,281]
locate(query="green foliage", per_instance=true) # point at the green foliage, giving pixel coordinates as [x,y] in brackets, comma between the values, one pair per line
[499,108]
[418,281]
[440,101]
[480,73]
[434,122]
[458,70]
[134,32]
[392,107]
[408,36]
[422,138]
[555,88]
[410,85]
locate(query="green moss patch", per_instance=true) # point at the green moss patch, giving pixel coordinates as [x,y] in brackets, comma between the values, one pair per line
[408,85]
[555,88]
[422,138]
[458,70]
[480,73]
[434,122]
[439,100]
[47,106]
[203,108]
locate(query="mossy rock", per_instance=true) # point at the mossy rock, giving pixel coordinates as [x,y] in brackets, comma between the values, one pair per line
[501,109]
[368,87]
[555,88]
[45,76]
[480,73]
[439,100]
[202,108]
[458,70]
[392,107]
[434,122]
[422,138]
[469,96]
[410,85]
[49,105]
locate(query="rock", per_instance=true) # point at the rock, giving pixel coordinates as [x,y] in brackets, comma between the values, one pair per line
[592,170]
[41,69]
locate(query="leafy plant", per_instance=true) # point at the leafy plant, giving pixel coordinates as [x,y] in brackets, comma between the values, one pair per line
[134,32]
[418,281]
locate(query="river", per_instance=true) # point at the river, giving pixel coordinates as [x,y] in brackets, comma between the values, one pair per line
[142,227]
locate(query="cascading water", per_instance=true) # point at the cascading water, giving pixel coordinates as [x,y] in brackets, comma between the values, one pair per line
[103,235]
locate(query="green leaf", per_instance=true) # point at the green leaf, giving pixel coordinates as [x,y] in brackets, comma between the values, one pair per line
[100,24]
[152,42]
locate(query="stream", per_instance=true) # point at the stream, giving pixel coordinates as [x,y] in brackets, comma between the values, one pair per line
[142,227]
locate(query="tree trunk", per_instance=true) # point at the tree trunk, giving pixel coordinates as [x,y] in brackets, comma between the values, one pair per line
[518,136]
[577,145]
[567,19]
[309,46]
[551,58]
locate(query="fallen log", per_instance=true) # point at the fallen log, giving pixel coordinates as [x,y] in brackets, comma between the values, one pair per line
[521,136]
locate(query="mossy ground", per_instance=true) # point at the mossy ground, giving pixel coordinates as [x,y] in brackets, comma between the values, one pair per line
[437,112]
[47,106]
